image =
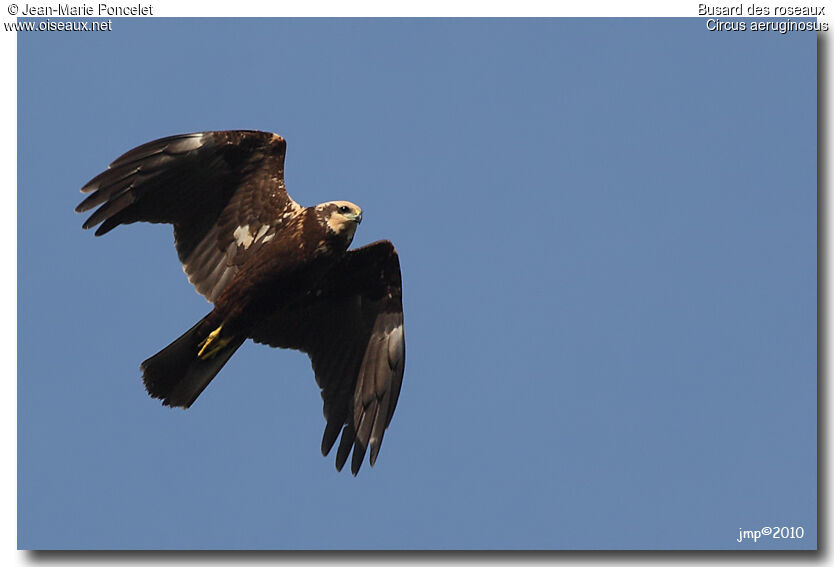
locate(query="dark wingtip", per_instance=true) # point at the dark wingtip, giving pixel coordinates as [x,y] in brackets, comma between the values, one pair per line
[358,457]
[106,226]
[374,453]
[331,433]
[356,464]
[345,445]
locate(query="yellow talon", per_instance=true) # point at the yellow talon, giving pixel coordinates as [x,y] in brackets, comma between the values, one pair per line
[212,344]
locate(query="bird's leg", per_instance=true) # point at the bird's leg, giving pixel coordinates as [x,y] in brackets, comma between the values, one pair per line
[213,344]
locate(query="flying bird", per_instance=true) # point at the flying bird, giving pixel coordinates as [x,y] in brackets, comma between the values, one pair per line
[276,272]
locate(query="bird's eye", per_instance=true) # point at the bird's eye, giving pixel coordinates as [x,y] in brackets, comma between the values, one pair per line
[344,210]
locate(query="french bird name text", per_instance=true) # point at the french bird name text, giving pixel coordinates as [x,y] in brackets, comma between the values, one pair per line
[757,10]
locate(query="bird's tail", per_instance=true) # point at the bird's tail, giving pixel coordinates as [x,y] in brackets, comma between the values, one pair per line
[181,371]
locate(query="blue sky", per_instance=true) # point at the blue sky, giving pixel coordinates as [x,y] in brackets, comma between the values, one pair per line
[607,231]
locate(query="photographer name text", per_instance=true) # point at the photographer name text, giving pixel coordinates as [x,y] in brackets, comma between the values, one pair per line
[88,10]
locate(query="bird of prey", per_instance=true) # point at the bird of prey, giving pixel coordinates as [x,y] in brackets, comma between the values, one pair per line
[277,273]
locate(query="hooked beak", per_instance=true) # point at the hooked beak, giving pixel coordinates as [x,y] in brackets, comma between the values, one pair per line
[355,217]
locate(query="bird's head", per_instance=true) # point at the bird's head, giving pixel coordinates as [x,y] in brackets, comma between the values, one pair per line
[340,217]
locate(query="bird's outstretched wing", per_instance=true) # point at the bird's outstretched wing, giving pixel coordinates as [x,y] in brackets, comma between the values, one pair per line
[351,326]
[223,192]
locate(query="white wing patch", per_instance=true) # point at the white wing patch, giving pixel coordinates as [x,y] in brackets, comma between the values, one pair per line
[262,231]
[244,237]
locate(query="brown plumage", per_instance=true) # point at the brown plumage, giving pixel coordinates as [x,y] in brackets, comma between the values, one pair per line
[276,272]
